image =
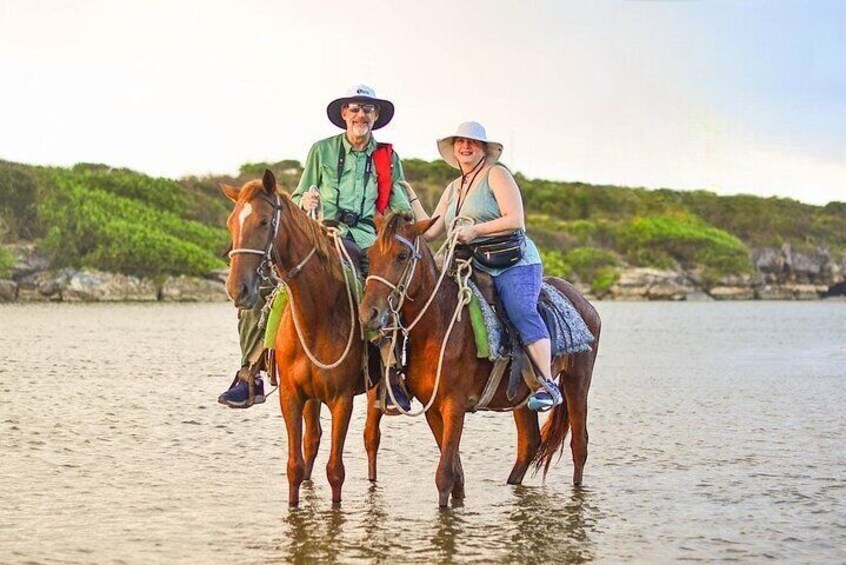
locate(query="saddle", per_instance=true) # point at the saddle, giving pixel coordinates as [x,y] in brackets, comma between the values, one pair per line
[485,284]
[358,257]
[567,330]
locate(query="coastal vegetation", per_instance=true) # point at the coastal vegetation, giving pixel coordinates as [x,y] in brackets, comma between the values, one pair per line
[118,220]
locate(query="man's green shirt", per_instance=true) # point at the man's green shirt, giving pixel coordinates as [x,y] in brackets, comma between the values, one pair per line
[321,170]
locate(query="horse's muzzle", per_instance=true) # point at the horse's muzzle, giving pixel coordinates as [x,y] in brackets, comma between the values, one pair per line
[244,295]
[372,318]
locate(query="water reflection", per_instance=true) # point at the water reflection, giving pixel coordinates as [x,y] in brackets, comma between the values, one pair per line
[378,533]
[546,527]
[309,533]
[446,540]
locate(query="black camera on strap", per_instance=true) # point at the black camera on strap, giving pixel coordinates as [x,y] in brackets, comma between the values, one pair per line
[347,217]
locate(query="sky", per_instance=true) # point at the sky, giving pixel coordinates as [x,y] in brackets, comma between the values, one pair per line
[736,96]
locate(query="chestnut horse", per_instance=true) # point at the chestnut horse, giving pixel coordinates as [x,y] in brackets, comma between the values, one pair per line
[270,232]
[465,375]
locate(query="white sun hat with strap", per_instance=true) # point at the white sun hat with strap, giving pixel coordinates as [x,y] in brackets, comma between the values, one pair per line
[470,130]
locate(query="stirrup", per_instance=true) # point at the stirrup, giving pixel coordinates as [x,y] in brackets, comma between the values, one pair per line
[545,398]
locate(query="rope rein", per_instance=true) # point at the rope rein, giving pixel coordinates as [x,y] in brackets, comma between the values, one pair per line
[344,256]
[266,270]
[462,275]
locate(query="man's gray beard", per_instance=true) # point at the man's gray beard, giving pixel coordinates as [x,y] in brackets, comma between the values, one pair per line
[360,130]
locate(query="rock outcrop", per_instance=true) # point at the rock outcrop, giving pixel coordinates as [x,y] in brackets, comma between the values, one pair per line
[780,274]
[192,289]
[32,280]
[651,284]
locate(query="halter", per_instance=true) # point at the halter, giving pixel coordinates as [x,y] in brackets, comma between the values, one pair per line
[266,263]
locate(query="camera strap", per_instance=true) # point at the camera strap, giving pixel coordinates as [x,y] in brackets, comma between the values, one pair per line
[368,170]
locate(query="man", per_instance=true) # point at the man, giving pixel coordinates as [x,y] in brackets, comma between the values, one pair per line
[343,171]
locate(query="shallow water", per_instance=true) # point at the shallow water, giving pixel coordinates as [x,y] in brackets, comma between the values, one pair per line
[717,433]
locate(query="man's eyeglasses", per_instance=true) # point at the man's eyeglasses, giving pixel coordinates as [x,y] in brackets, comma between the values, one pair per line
[368,108]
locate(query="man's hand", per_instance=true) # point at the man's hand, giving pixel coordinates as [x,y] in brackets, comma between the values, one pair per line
[310,200]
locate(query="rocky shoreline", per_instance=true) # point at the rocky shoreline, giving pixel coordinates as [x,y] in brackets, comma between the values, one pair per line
[780,274]
[777,274]
[33,280]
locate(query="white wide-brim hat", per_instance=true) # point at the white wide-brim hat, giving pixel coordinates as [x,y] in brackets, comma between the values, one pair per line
[470,130]
[365,94]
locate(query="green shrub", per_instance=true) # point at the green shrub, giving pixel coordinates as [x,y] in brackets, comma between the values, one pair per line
[554,264]
[585,231]
[99,229]
[19,189]
[598,267]
[127,247]
[7,261]
[663,241]
[603,279]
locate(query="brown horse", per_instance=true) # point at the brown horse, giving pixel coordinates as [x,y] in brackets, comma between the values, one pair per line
[269,231]
[465,375]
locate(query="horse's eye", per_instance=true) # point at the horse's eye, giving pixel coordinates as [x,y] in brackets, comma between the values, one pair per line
[403,256]
[264,223]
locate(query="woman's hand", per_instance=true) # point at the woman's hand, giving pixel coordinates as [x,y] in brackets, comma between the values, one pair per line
[409,192]
[466,234]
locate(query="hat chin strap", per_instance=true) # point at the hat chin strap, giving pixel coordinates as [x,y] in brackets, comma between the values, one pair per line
[478,165]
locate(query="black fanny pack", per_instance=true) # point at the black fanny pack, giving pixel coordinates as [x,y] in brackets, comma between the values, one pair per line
[501,251]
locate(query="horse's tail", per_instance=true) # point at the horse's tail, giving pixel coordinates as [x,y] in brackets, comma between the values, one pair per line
[553,434]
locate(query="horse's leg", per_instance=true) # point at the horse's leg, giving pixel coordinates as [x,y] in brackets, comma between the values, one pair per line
[372,432]
[446,477]
[341,410]
[576,385]
[528,441]
[313,432]
[436,424]
[292,411]
[458,489]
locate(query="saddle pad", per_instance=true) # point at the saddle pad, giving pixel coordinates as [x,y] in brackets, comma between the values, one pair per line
[567,330]
[486,330]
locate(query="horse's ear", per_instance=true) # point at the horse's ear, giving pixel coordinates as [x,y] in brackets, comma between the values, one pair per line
[230,191]
[269,181]
[379,221]
[423,226]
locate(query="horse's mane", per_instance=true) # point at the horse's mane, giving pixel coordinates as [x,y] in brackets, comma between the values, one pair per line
[249,190]
[391,228]
[296,218]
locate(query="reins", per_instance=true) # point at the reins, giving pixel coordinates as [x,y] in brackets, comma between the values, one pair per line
[342,255]
[462,276]
[266,271]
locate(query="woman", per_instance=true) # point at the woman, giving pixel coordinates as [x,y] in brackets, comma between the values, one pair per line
[487,193]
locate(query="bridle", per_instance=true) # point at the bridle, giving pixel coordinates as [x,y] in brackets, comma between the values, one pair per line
[399,291]
[265,266]
[270,262]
